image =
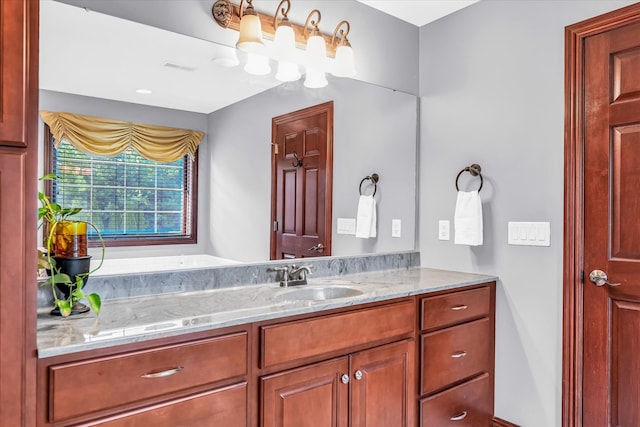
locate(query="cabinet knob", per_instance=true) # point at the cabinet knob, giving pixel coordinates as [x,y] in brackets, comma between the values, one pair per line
[461,416]
[358,374]
[345,379]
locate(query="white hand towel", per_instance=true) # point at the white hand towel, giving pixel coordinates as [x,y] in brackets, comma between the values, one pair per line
[468,219]
[366,217]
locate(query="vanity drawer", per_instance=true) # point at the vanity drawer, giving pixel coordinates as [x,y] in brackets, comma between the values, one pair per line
[455,307]
[317,336]
[88,386]
[468,404]
[455,353]
[222,407]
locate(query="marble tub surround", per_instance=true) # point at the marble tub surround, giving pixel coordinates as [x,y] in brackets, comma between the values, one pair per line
[144,318]
[141,284]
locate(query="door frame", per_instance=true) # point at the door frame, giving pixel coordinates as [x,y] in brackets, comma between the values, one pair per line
[573,310]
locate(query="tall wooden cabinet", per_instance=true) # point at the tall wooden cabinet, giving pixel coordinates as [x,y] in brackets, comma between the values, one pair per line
[18,187]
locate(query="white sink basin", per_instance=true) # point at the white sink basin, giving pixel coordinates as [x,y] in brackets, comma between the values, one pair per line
[318,293]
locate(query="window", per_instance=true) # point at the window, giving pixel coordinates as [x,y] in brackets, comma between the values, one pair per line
[132,200]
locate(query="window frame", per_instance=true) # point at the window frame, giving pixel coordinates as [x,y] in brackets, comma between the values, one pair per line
[191,222]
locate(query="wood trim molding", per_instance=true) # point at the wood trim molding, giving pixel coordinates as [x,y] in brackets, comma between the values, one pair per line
[572,334]
[498,422]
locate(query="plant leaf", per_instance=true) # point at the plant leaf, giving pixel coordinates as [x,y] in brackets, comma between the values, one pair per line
[78,294]
[94,302]
[64,306]
[61,278]
[48,177]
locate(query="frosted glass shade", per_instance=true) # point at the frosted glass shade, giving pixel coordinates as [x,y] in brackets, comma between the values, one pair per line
[316,52]
[226,58]
[315,78]
[287,71]
[284,43]
[257,64]
[344,65]
[250,39]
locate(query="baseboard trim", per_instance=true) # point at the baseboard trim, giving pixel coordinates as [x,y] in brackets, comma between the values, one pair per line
[497,422]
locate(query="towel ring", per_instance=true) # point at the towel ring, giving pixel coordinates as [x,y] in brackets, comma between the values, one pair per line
[374,177]
[474,170]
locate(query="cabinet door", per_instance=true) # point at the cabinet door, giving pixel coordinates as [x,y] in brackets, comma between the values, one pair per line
[382,384]
[15,280]
[18,63]
[313,396]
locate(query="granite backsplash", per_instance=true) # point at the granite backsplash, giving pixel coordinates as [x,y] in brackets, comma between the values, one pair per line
[189,280]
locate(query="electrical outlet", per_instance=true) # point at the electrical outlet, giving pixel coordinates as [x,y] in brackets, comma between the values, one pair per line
[443,230]
[346,226]
[396,228]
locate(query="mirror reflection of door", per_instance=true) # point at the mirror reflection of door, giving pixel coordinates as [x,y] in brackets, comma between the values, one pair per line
[301,177]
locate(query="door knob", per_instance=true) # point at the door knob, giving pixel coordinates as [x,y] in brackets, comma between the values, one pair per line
[317,248]
[600,278]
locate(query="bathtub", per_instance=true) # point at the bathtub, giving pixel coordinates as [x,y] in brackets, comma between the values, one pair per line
[160,263]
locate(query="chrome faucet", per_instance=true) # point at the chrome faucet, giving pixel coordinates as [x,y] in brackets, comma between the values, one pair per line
[293,275]
[299,273]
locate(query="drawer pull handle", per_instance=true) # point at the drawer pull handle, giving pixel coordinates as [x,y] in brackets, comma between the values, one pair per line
[162,374]
[461,416]
[459,307]
[459,354]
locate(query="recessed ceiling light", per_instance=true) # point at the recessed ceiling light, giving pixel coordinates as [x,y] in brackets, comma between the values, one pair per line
[143,91]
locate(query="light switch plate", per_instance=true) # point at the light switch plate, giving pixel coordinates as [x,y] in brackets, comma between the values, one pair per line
[396,228]
[529,233]
[346,226]
[443,230]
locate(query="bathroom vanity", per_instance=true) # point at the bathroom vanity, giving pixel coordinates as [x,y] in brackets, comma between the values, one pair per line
[412,347]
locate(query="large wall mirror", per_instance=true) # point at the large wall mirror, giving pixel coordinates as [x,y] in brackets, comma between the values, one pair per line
[92,64]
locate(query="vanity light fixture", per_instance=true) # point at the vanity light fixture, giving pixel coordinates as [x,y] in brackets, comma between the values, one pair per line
[316,53]
[284,45]
[286,37]
[344,64]
[257,64]
[250,39]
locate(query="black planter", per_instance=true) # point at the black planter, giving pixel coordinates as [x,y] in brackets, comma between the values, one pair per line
[72,267]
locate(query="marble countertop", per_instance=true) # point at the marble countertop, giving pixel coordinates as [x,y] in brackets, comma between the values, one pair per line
[139,319]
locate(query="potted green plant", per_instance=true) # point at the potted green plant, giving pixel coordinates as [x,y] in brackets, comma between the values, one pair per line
[65,256]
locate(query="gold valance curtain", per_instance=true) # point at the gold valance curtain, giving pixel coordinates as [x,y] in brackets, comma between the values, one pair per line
[108,138]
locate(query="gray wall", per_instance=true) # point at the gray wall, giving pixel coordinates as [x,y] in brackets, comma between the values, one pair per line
[386,48]
[374,131]
[491,81]
[56,101]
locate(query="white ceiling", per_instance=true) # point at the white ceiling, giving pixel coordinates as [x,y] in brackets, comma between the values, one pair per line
[92,54]
[418,12]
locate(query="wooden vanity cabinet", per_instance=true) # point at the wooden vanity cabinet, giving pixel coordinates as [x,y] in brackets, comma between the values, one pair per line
[193,383]
[457,357]
[349,367]
[369,387]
